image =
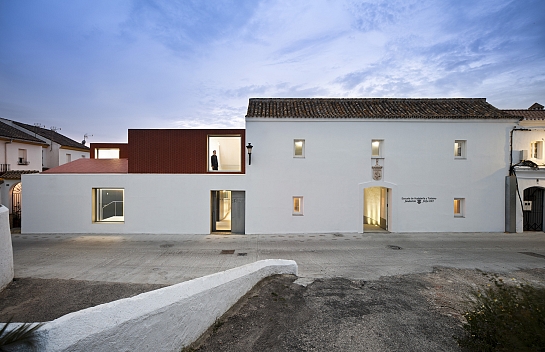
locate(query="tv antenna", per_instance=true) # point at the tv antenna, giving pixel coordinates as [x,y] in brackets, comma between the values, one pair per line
[85,136]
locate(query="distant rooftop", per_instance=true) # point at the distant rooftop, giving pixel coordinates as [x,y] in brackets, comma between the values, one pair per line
[372,108]
[534,112]
[11,132]
[92,166]
[53,136]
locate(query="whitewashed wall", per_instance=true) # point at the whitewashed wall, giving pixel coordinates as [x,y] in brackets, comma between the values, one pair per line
[418,162]
[6,249]
[34,155]
[154,203]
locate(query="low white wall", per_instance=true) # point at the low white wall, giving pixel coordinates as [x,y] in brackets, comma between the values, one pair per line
[6,249]
[162,320]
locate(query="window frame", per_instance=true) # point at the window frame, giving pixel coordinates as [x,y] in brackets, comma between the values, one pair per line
[461,207]
[98,150]
[96,204]
[299,211]
[536,150]
[302,141]
[462,148]
[209,152]
[380,148]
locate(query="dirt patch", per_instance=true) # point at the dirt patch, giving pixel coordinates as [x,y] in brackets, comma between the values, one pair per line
[421,312]
[38,300]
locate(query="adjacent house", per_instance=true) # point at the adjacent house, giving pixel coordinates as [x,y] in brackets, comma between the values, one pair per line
[30,149]
[525,185]
[60,150]
[316,165]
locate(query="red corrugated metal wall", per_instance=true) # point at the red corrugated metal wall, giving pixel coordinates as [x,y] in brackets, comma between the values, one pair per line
[123,149]
[175,151]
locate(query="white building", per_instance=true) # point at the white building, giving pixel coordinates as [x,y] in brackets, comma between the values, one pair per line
[27,149]
[318,165]
[525,192]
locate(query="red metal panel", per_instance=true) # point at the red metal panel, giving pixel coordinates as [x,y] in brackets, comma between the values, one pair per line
[175,151]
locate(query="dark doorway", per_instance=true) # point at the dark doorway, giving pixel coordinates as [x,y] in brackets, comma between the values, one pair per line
[16,205]
[533,217]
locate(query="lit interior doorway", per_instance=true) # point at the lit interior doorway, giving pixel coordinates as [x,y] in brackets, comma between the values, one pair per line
[375,209]
[227,211]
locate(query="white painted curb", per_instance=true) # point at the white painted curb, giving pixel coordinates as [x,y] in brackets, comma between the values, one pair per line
[166,319]
[6,249]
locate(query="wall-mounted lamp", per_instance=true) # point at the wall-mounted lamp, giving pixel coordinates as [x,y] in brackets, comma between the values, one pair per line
[249,148]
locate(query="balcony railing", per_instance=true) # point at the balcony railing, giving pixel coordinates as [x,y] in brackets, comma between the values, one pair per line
[4,167]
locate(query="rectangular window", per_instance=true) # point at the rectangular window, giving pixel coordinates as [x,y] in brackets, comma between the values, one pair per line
[376,148]
[22,160]
[68,158]
[224,153]
[108,204]
[536,150]
[297,205]
[459,207]
[107,153]
[459,149]
[298,148]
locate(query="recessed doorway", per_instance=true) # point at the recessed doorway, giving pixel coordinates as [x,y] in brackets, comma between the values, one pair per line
[376,209]
[227,211]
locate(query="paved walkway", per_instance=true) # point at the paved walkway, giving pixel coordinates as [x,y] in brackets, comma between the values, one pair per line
[168,259]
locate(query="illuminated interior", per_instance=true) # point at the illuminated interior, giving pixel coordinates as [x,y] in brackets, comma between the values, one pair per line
[109,205]
[107,153]
[228,152]
[375,148]
[375,207]
[298,148]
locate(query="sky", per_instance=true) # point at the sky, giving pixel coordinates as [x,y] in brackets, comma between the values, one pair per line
[101,67]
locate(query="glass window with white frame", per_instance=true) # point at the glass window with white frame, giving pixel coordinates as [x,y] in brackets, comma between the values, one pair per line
[297,205]
[459,207]
[459,149]
[536,150]
[109,204]
[376,148]
[298,148]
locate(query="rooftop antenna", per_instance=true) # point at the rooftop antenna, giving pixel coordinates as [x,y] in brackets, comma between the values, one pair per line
[39,125]
[55,129]
[85,136]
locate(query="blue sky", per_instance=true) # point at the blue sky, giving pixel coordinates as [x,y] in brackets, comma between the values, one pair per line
[101,67]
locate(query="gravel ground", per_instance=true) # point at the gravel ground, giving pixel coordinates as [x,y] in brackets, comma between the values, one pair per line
[420,312]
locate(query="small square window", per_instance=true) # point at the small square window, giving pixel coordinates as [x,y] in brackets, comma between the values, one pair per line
[297,205]
[459,207]
[298,148]
[536,150]
[376,148]
[108,205]
[459,149]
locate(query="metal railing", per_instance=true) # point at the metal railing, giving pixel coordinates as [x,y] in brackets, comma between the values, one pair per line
[4,167]
[114,203]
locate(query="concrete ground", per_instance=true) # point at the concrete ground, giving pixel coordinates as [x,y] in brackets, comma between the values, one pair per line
[169,259]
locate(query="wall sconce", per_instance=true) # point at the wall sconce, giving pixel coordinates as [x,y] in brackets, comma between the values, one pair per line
[249,148]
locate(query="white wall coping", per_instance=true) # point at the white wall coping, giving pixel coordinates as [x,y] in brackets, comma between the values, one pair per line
[166,319]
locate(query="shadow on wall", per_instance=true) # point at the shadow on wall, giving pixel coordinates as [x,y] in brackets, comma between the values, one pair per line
[6,249]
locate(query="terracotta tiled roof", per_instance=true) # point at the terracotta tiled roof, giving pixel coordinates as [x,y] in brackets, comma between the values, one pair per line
[92,166]
[10,132]
[53,135]
[371,108]
[16,174]
[528,114]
